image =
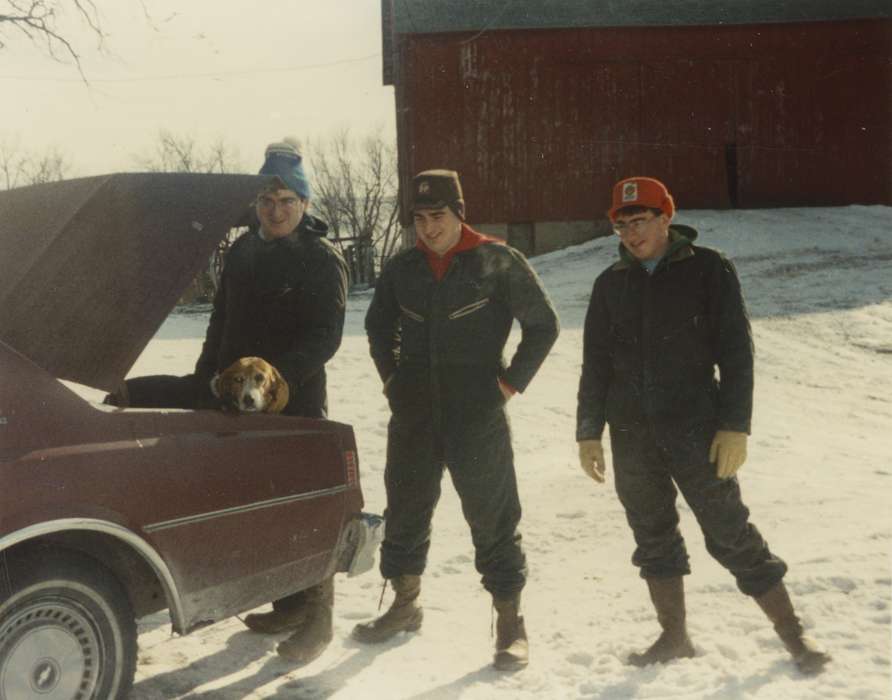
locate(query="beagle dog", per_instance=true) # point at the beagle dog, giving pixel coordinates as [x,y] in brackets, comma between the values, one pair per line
[251,385]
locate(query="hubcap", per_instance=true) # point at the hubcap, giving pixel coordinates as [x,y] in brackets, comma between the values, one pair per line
[49,650]
[46,675]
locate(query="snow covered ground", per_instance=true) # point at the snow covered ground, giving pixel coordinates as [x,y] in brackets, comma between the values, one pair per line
[819,287]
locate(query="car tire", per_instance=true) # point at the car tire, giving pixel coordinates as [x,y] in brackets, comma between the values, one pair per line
[67,630]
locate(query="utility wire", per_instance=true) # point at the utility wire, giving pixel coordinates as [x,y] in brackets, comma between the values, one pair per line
[194,76]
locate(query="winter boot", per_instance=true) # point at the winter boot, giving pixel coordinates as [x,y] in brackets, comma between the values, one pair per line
[809,659]
[667,595]
[287,614]
[512,648]
[404,613]
[313,636]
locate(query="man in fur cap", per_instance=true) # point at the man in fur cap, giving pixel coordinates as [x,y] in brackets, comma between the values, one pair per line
[437,328]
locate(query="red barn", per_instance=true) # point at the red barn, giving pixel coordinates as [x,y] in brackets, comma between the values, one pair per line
[542,106]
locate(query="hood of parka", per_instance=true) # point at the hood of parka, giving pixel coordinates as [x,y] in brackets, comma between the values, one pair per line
[680,238]
[313,224]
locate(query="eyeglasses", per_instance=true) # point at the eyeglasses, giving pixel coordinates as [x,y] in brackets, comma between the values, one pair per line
[269,203]
[632,225]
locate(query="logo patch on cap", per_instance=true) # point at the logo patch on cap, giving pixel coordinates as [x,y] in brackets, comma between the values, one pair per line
[630,192]
[424,187]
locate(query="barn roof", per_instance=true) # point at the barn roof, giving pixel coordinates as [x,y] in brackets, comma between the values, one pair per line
[425,16]
[405,17]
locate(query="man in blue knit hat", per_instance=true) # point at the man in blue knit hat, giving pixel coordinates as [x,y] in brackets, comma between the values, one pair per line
[283,289]
[284,161]
[282,297]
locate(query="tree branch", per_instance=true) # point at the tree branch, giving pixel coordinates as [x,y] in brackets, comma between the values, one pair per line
[36,20]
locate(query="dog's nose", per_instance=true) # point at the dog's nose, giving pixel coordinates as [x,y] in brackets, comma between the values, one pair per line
[248,401]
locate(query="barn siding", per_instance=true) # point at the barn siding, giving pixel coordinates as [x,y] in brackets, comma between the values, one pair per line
[540,124]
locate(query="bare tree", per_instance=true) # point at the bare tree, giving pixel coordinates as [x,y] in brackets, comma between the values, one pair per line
[19,168]
[181,153]
[38,21]
[47,167]
[12,164]
[355,183]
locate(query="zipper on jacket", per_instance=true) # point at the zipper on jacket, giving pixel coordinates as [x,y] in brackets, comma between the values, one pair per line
[411,314]
[469,309]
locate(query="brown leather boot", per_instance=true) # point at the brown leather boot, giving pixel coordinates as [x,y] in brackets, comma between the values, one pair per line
[287,614]
[314,635]
[404,613]
[777,606]
[667,595]
[512,647]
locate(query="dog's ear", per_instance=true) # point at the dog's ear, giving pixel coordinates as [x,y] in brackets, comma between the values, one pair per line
[278,392]
[215,385]
[221,385]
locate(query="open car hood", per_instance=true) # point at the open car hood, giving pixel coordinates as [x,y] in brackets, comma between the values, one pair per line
[90,268]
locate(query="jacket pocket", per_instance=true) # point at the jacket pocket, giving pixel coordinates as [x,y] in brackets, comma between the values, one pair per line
[407,395]
[469,309]
[692,324]
[408,313]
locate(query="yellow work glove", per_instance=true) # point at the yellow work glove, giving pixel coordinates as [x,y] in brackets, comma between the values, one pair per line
[727,452]
[591,459]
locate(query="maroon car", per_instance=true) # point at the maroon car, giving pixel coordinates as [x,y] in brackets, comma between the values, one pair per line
[109,514]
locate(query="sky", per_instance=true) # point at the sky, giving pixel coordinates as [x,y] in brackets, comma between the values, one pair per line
[246,73]
[817,482]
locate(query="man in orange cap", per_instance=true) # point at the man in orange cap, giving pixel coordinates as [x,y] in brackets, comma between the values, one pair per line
[659,322]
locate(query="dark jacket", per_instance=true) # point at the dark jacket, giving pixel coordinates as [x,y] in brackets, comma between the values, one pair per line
[453,332]
[652,343]
[282,300]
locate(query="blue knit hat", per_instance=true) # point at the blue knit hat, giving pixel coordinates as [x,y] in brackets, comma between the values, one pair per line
[284,160]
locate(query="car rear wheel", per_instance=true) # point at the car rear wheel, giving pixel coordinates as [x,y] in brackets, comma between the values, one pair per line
[67,631]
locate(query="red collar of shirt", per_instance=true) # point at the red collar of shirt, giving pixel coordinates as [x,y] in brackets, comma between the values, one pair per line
[468,240]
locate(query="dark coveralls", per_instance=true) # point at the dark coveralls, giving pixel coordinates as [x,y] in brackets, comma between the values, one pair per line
[651,346]
[442,344]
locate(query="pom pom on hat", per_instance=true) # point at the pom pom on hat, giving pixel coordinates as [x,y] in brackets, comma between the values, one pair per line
[287,146]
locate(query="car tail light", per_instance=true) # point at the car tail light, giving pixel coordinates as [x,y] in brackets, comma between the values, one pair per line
[352,467]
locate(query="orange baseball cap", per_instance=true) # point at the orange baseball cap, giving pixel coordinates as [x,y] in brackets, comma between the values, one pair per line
[641,192]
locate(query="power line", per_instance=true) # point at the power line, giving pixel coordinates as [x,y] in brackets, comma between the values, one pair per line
[194,76]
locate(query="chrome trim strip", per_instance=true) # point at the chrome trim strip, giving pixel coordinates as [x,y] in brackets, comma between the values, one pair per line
[271,503]
[411,314]
[469,309]
[120,532]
